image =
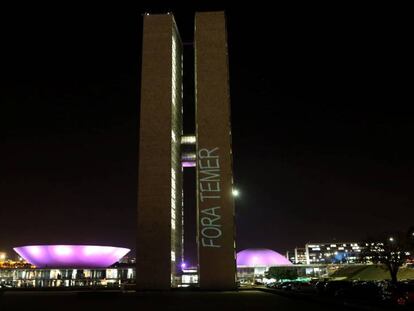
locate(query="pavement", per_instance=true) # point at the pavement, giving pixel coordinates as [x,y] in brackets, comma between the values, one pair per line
[334,302]
[183,300]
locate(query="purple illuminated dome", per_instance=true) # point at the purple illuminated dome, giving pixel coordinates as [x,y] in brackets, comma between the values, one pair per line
[71,256]
[260,257]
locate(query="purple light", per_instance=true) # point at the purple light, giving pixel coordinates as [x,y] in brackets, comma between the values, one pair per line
[183,265]
[260,257]
[188,163]
[71,256]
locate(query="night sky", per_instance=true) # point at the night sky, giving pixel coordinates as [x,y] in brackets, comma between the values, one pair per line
[321,113]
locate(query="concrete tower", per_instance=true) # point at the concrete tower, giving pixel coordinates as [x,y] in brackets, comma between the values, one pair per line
[159,236]
[160,226]
[215,206]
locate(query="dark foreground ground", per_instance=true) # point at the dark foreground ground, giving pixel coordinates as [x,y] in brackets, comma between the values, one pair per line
[249,300]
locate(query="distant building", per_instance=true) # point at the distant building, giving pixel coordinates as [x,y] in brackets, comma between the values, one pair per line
[253,263]
[47,278]
[297,256]
[336,253]
[71,256]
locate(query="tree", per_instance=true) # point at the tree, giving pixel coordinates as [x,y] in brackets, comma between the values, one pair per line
[391,250]
[280,273]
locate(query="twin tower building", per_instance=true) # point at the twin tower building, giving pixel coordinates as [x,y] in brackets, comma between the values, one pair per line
[162,158]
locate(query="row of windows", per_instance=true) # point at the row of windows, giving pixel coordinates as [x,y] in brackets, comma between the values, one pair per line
[176,133]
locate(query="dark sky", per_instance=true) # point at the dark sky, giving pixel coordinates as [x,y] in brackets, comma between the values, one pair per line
[321,112]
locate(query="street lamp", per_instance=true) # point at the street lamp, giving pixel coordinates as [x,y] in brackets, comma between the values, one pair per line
[235,192]
[391,239]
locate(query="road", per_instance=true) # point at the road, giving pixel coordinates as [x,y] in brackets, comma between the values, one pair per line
[249,300]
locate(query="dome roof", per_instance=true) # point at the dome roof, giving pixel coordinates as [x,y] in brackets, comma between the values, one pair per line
[71,256]
[260,257]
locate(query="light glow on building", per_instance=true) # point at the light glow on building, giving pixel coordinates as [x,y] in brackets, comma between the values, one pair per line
[67,256]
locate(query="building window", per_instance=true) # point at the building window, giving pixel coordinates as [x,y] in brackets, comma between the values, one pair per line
[173,136]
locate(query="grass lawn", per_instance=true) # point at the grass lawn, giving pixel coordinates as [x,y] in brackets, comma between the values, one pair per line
[371,272]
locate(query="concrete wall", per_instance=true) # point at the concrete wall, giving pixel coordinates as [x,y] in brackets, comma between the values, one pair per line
[154,234]
[216,232]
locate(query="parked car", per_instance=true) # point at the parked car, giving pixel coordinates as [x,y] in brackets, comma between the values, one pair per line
[401,293]
[361,290]
[303,287]
[320,286]
[334,288]
[287,285]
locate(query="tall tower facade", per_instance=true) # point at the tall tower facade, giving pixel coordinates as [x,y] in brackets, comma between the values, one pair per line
[160,225]
[159,231]
[215,205]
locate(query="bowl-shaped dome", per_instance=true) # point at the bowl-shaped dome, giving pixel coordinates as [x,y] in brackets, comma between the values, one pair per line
[260,257]
[71,256]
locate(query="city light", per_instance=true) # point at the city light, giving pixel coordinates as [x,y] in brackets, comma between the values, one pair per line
[71,255]
[261,257]
[391,239]
[188,140]
[235,192]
